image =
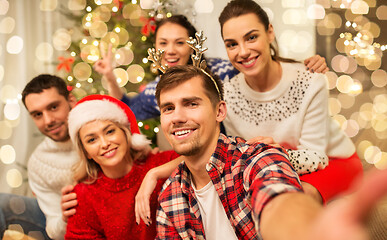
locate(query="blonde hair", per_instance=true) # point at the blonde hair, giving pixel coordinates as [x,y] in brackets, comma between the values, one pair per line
[85,169]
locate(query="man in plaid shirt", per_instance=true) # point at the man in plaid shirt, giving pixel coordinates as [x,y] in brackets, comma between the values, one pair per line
[223,184]
[226,189]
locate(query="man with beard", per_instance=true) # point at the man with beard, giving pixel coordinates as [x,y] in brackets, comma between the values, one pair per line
[227,189]
[49,102]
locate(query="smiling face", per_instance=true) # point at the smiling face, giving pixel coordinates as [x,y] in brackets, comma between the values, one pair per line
[50,110]
[188,118]
[107,144]
[248,44]
[172,39]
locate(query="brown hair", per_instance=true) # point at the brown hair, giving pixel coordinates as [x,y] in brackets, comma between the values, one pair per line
[236,8]
[179,74]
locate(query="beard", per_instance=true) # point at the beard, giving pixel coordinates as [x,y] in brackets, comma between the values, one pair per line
[187,149]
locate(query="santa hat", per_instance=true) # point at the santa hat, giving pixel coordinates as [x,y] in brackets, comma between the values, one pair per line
[104,107]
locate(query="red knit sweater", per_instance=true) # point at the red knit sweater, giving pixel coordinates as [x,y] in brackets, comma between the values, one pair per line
[106,208]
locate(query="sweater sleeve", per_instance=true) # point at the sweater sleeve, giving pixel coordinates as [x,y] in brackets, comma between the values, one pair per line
[84,224]
[144,105]
[310,154]
[268,174]
[49,202]
[222,68]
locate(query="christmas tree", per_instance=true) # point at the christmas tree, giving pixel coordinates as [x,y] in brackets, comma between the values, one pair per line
[124,24]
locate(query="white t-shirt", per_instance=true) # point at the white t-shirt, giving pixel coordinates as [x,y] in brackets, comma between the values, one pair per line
[215,222]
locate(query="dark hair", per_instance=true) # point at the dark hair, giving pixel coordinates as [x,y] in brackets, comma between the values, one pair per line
[45,81]
[177,75]
[179,20]
[236,8]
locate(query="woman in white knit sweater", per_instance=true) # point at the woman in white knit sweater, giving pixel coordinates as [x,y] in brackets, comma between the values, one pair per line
[277,98]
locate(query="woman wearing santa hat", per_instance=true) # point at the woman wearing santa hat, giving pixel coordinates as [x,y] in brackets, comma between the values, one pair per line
[109,173]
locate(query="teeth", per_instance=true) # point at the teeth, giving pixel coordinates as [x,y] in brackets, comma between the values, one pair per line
[172,60]
[179,133]
[107,153]
[249,62]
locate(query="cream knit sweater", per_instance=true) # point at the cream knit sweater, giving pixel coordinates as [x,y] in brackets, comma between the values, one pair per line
[49,169]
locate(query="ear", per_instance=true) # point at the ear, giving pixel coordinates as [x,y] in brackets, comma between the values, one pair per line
[270,33]
[72,100]
[221,111]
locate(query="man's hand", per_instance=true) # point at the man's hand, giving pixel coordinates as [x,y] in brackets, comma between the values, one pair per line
[68,203]
[310,190]
[344,219]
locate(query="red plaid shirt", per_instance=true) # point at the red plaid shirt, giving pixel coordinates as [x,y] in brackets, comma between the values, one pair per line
[245,177]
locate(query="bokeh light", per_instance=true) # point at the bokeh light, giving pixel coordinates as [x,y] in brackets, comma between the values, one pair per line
[82,71]
[204,6]
[372,154]
[346,101]
[316,11]
[7,154]
[332,79]
[61,39]
[1,73]
[359,7]
[344,83]
[334,106]
[121,76]
[48,5]
[7,92]
[351,128]
[14,178]
[4,6]
[12,110]
[98,29]
[7,25]
[294,17]
[124,56]
[76,5]
[379,78]
[15,45]
[123,35]
[135,73]
[5,130]
[44,51]
[381,12]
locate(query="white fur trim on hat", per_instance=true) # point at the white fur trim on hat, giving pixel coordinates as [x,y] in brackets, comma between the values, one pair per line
[139,141]
[94,110]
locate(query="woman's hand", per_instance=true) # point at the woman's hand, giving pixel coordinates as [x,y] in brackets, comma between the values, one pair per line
[68,202]
[316,64]
[142,208]
[104,65]
[263,139]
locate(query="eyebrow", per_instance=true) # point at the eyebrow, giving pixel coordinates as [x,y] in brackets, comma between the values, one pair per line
[184,100]
[104,129]
[247,34]
[48,106]
[178,39]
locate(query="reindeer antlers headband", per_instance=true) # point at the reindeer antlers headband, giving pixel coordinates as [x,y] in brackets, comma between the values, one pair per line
[195,44]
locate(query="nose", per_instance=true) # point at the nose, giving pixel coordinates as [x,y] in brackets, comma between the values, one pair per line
[170,49]
[179,116]
[105,143]
[48,119]
[244,51]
